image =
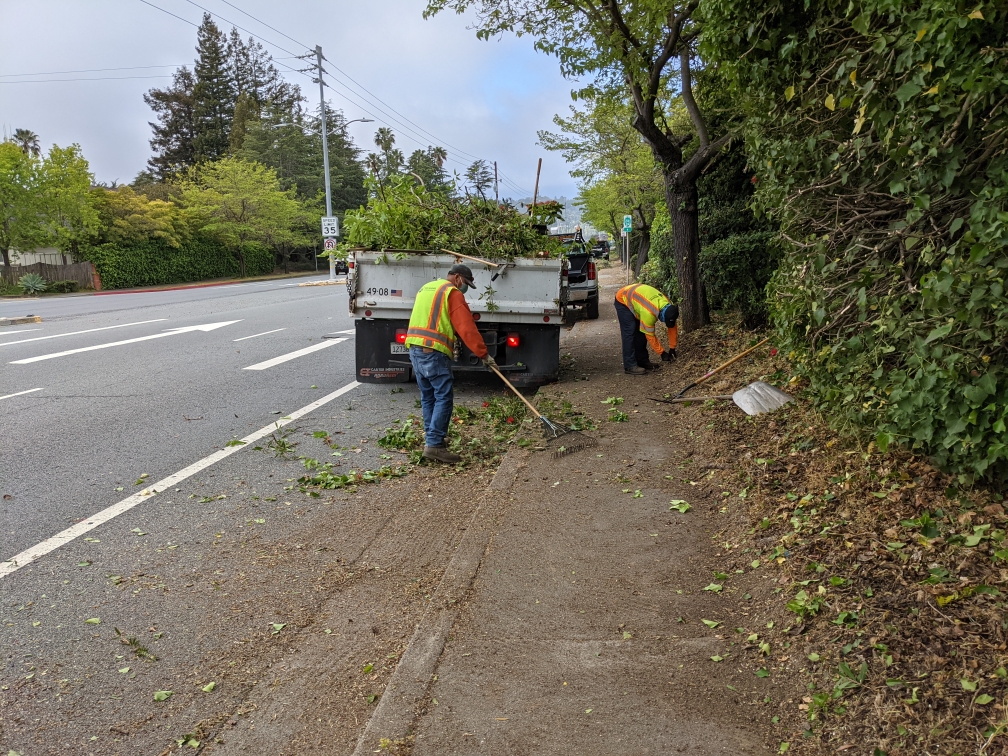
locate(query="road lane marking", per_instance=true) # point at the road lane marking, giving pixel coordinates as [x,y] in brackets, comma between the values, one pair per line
[19,393]
[275,330]
[21,330]
[294,355]
[75,333]
[33,553]
[169,332]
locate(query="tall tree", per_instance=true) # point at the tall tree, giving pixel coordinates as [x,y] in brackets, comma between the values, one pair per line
[240,203]
[643,49]
[175,131]
[615,166]
[28,141]
[69,208]
[479,177]
[391,160]
[213,93]
[20,209]
[428,165]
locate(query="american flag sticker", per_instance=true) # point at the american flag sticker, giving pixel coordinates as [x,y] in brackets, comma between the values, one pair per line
[396,292]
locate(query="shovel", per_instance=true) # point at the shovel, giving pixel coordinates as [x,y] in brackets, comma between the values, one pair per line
[754,399]
[721,367]
[573,441]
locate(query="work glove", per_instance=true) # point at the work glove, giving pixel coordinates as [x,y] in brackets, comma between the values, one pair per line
[489,362]
[668,356]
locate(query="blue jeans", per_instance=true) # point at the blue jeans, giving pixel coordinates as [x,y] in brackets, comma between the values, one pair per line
[635,352]
[434,377]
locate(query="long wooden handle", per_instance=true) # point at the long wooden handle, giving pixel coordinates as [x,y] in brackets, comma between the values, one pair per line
[474,259]
[732,361]
[680,400]
[517,392]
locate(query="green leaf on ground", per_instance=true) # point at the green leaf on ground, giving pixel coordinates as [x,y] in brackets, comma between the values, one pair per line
[277,627]
[983,699]
[235,442]
[679,505]
[710,623]
[124,670]
[162,695]
[368,667]
[968,684]
[714,587]
[717,658]
[92,621]
[813,657]
[762,672]
[755,563]
[209,687]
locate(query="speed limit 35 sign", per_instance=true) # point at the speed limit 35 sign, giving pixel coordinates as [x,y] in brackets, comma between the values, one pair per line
[330,226]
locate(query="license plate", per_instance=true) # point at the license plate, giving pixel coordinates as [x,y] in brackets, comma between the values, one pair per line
[398,348]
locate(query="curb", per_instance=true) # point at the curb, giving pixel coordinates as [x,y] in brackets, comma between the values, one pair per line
[196,285]
[407,688]
[20,321]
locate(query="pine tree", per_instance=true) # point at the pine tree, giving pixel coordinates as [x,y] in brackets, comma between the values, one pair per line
[213,96]
[175,130]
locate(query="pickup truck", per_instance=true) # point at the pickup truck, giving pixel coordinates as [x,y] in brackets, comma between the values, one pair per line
[518,307]
[582,279]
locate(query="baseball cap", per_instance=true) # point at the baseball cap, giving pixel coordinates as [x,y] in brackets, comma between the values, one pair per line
[462,270]
[670,314]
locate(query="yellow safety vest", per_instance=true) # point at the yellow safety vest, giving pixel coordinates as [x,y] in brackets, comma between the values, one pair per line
[645,301]
[430,325]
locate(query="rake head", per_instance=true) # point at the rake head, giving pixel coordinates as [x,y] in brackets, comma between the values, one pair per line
[571,440]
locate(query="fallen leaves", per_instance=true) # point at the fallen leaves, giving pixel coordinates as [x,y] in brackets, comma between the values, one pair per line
[163,695]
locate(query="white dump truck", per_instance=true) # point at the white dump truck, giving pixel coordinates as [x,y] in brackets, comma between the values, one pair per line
[518,307]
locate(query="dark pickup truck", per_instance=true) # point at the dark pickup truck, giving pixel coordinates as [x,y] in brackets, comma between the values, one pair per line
[582,279]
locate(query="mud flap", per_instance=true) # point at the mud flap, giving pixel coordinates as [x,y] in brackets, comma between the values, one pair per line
[375,361]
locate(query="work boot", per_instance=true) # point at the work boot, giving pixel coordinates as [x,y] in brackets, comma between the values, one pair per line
[651,367]
[440,453]
[635,370]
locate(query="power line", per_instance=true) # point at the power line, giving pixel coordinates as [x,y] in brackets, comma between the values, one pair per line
[237,26]
[184,20]
[302,44]
[96,78]
[90,70]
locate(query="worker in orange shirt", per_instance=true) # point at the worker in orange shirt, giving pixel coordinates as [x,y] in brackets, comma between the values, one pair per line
[440,314]
[639,307]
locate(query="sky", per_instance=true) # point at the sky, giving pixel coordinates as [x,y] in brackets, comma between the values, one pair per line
[476,98]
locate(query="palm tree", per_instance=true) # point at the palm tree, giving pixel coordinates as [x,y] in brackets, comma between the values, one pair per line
[384,139]
[439,155]
[28,141]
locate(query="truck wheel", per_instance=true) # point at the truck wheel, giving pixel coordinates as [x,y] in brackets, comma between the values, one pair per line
[591,311]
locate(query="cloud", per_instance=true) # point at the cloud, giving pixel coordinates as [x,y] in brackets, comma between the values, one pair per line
[481,98]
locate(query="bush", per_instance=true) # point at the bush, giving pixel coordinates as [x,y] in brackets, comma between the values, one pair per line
[31,283]
[156,263]
[63,287]
[735,270]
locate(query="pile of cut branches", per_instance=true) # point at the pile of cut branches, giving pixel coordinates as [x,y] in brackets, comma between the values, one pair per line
[402,214]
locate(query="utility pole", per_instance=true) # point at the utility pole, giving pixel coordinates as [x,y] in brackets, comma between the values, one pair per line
[496,194]
[325,154]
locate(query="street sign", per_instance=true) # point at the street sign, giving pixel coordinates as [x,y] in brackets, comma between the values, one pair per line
[627,224]
[330,226]
[329,244]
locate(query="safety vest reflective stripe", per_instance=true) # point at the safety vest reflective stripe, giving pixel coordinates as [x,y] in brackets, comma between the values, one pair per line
[429,335]
[639,299]
[435,311]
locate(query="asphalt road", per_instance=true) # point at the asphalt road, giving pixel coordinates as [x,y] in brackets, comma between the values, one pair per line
[95,421]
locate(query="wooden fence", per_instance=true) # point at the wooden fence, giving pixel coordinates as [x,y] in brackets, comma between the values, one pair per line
[82,272]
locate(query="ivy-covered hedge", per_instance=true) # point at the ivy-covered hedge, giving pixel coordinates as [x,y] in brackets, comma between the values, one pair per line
[877,130]
[156,263]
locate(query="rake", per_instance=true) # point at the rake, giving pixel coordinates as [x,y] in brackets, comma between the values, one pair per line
[573,441]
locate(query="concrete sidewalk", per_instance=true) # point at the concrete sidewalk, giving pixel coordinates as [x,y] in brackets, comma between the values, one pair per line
[582,631]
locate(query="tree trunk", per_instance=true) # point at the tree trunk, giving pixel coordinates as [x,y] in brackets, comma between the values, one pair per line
[643,249]
[682,205]
[6,258]
[241,262]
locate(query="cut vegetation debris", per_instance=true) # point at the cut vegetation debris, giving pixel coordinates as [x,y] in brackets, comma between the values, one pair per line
[893,575]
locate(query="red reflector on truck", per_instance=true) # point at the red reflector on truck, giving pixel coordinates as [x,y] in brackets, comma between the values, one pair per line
[513,340]
[476,316]
[400,335]
[545,318]
[591,271]
[367,313]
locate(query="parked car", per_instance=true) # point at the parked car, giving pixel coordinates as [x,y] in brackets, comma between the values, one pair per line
[600,250]
[582,279]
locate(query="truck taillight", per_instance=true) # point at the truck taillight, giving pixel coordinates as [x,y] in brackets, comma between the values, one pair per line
[591,271]
[350,265]
[476,316]
[513,340]
[400,335]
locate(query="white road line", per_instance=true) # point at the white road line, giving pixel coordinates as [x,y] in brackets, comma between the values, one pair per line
[169,332]
[19,393]
[84,526]
[74,333]
[351,331]
[294,355]
[21,330]
[275,330]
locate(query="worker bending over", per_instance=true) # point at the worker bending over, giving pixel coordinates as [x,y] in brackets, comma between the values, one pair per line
[440,315]
[638,308]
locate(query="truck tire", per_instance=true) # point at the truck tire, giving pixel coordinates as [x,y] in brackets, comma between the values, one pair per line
[591,309]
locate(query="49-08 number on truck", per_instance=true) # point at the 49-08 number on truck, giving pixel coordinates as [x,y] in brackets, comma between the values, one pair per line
[378,292]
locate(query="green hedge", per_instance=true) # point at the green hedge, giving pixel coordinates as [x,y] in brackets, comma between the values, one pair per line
[155,263]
